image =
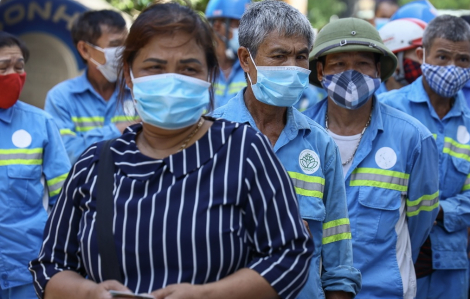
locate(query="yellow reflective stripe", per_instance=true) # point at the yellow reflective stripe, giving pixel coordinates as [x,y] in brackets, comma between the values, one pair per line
[67,132]
[335,238]
[386,179]
[434,135]
[333,223]
[306,178]
[20,162]
[55,184]
[86,129]
[310,193]
[382,172]
[37,150]
[124,118]
[236,87]
[466,185]
[87,119]
[426,202]
[455,149]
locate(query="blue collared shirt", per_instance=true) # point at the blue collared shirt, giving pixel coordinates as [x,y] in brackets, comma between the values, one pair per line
[33,167]
[393,175]
[312,160]
[83,116]
[449,238]
[227,88]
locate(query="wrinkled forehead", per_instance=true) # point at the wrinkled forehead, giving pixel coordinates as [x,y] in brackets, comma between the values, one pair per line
[11,52]
[444,45]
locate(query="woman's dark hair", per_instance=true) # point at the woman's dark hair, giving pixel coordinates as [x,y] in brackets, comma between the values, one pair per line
[9,40]
[164,18]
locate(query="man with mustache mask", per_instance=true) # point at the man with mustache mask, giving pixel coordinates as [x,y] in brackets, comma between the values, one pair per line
[436,100]
[86,108]
[389,159]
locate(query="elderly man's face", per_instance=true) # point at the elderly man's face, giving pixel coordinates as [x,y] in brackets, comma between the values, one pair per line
[363,62]
[278,50]
[444,52]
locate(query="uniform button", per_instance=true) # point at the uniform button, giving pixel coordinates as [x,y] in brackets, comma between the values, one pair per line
[441,130]
[437,255]
[6,284]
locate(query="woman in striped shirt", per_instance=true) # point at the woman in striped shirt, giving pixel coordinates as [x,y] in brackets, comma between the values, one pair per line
[202,207]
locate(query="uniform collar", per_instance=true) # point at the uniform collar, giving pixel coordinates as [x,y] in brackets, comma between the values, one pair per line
[7,114]
[82,84]
[236,110]
[419,95]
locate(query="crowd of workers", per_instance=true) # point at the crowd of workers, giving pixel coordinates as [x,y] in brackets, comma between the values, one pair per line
[241,156]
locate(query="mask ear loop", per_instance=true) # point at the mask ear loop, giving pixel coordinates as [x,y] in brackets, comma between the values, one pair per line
[249,78]
[96,48]
[424,55]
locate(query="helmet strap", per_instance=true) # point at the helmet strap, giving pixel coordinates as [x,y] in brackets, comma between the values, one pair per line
[400,77]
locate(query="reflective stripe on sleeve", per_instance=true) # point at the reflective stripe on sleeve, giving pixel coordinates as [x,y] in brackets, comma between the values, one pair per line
[124,118]
[55,184]
[236,87]
[21,156]
[424,203]
[64,132]
[466,185]
[306,185]
[336,230]
[84,124]
[219,89]
[387,179]
[455,149]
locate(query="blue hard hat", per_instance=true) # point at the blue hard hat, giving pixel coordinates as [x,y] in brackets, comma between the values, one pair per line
[232,9]
[420,9]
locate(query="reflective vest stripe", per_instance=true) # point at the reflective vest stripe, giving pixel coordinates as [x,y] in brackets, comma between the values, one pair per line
[124,118]
[455,149]
[434,135]
[424,203]
[466,185]
[236,87]
[21,156]
[387,179]
[336,230]
[84,124]
[55,184]
[306,185]
[64,132]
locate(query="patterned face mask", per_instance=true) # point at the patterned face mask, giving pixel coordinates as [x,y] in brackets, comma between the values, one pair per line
[350,89]
[446,81]
[412,70]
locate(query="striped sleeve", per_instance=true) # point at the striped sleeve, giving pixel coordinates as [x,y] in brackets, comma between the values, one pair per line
[273,222]
[60,249]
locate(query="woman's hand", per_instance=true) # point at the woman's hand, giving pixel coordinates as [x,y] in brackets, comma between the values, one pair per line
[101,290]
[180,291]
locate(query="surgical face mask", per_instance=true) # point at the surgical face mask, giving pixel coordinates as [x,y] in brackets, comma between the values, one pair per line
[350,89]
[110,68]
[233,43]
[380,22]
[11,86]
[170,101]
[280,86]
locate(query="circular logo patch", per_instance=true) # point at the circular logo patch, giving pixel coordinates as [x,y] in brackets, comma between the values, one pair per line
[129,109]
[309,161]
[462,135]
[21,139]
[386,158]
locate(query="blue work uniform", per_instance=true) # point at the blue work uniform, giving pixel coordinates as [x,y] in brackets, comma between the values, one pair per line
[33,167]
[382,89]
[391,186]
[311,95]
[466,93]
[227,88]
[312,160]
[449,237]
[83,116]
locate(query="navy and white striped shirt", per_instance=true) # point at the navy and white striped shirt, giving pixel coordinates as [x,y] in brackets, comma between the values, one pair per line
[199,215]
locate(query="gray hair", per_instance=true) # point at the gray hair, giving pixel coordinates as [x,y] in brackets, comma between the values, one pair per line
[262,18]
[448,27]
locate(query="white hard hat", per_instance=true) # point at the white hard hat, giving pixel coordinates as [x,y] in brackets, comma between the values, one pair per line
[403,34]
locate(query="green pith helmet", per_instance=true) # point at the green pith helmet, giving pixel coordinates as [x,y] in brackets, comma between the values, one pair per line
[348,35]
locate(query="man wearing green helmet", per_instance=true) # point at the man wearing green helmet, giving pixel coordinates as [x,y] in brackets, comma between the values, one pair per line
[389,159]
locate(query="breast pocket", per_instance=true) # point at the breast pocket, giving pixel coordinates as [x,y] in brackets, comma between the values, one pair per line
[456,175]
[311,208]
[21,182]
[377,214]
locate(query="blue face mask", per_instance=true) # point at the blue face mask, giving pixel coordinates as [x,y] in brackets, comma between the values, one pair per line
[280,86]
[170,101]
[233,43]
[350,89]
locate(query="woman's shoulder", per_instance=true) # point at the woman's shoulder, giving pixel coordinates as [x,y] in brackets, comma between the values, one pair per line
[238,131]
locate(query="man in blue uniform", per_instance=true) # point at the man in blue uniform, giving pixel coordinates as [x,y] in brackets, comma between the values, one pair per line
[389,159]
[276,65]
[225,18]
[33,167]
[86,108]
[435,99]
